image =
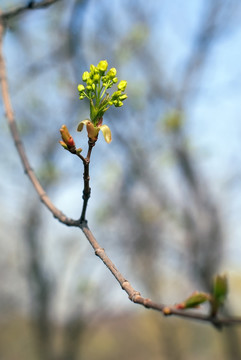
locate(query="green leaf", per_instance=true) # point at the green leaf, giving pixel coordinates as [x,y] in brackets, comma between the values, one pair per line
[220,288]
[194,300]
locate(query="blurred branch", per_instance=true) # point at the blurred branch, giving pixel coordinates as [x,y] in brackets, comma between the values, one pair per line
[30,5]
[18,143]
[213,24]
[134,295]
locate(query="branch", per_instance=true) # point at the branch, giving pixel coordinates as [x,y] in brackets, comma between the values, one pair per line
[18,143]
[86,176]
[30,5]
[134,295]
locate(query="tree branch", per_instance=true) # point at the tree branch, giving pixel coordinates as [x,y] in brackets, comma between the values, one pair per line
[18,143]
[30,5]
[134,295]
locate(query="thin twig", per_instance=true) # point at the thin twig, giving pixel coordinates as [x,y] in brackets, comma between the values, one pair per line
[134,295]
[30,5]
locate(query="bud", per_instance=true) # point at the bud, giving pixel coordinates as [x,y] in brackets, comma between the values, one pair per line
[118,103]
[220,288]
[65,133]
[193,301]
[68,141]
[112,73]
[92,68]
[85,76]
[92,131]
[78,151]
[63,144]
[116,95]
[122,85]
[123,97]
[103,65]
[96,78]
[81,87]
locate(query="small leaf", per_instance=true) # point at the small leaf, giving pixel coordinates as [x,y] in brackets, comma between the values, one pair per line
[194,300]
[220,288]
[78,151]
[64,145]
[81,124]
[106,132]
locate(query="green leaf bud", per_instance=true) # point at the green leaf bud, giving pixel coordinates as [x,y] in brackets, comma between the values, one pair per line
[194,300]
[79,150]
[220,288]
[115,80]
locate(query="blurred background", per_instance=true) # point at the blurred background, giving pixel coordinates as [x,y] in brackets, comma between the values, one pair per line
[166,193]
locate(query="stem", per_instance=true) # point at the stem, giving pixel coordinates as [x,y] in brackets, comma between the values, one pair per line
[86,176]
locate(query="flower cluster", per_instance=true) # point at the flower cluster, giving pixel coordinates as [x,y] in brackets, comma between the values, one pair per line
[98,80]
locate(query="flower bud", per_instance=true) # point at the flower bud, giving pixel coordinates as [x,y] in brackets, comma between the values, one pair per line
[85,76]
[122,85]
[81,87]
[96,78]
[92,68]
[123,97]
[103,65]
[112,73]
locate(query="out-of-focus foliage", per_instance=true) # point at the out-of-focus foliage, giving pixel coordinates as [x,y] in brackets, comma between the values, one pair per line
[161,201]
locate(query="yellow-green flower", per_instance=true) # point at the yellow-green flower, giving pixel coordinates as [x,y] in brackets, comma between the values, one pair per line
[122,85]
[103,65]
[98,80]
